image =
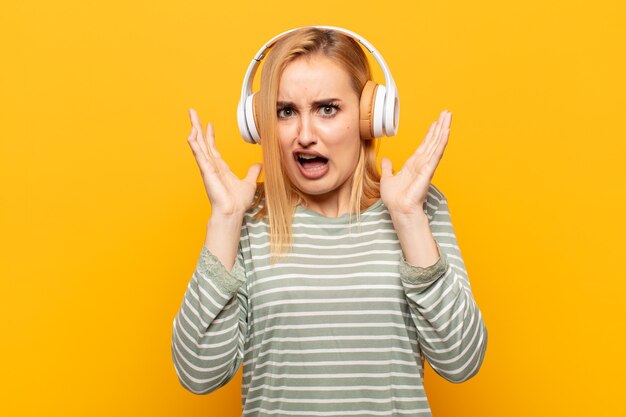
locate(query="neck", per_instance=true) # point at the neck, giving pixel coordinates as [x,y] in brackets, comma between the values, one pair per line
[333,204]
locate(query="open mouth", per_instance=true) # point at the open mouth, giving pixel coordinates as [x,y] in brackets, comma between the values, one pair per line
[312,165]
[311,162]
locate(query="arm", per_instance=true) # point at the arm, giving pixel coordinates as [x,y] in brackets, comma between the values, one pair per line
[210,328]
[452,334]
[451,331]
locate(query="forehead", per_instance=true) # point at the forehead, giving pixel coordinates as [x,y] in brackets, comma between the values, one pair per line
[314,76]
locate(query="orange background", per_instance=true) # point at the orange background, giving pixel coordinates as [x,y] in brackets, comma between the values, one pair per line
[103,211]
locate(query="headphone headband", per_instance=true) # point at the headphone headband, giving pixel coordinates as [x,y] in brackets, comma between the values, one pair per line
[245,117]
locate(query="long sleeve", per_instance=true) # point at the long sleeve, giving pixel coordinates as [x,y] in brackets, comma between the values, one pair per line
[451,331]
[210,328]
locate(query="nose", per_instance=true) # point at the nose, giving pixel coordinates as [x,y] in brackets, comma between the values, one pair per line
[306,132]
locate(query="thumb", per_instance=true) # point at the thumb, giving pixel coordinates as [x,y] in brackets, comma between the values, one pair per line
[253,174]
[386,167]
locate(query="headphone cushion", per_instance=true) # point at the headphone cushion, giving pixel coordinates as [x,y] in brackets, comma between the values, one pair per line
[366,110]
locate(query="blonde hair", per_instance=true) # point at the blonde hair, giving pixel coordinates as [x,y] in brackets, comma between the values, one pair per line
[279,195]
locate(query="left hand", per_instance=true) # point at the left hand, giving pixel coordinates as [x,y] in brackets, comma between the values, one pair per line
[405,192]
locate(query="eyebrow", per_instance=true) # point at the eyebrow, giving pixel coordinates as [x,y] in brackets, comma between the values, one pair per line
[315,103]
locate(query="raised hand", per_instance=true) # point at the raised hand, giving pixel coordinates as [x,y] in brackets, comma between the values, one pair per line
[405,193]
[228,194]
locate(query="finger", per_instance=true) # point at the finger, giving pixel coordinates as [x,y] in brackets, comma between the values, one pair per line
[436,134]
[443,124]
[195,148]
[210,138]
[422,149]
[442,139]
[253,174]
[195,121]
[433,162]
[437,153]
[442,117]
[386,168]
[427,139]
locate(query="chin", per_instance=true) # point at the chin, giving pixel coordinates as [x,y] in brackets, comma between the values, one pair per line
[318,188]
[324,186]
[315,190]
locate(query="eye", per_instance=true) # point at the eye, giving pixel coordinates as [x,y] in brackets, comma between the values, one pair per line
[329,110]
[284,112]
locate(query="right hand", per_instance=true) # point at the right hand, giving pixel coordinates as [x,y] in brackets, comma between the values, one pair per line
[228,194]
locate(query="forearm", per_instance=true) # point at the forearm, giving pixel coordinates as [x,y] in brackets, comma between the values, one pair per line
[222,237]
[416,239]
[452,333]
[209,328]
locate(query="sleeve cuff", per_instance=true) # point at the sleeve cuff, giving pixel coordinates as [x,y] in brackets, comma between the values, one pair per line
[424,275]
[213,268]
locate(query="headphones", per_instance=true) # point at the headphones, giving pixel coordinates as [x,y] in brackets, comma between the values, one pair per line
[379,106]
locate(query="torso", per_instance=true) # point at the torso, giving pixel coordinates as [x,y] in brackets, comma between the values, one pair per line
[329,328]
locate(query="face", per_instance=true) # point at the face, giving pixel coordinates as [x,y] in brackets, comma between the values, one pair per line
[318,127]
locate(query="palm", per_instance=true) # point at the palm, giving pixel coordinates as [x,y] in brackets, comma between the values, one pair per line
[406,191]
[227,193]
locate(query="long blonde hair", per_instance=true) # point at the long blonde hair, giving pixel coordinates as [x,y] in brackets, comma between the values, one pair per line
[278,194]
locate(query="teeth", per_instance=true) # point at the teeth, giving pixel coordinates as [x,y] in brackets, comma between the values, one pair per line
[305,156]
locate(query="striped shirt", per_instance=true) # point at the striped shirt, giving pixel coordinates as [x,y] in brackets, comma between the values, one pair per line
[339,327]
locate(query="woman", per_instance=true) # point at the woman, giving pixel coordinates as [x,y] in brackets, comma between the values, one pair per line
[329,282]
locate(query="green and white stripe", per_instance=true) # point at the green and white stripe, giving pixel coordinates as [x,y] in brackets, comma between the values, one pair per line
[339,327]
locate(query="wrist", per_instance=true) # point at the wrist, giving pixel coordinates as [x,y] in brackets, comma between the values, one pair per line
[414,218]
[225,223]
[416,239]
[222,218]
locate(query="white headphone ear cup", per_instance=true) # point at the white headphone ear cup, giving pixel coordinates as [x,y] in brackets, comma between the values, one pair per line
[379,111]
[250,120]
[241,122]
[392,112]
